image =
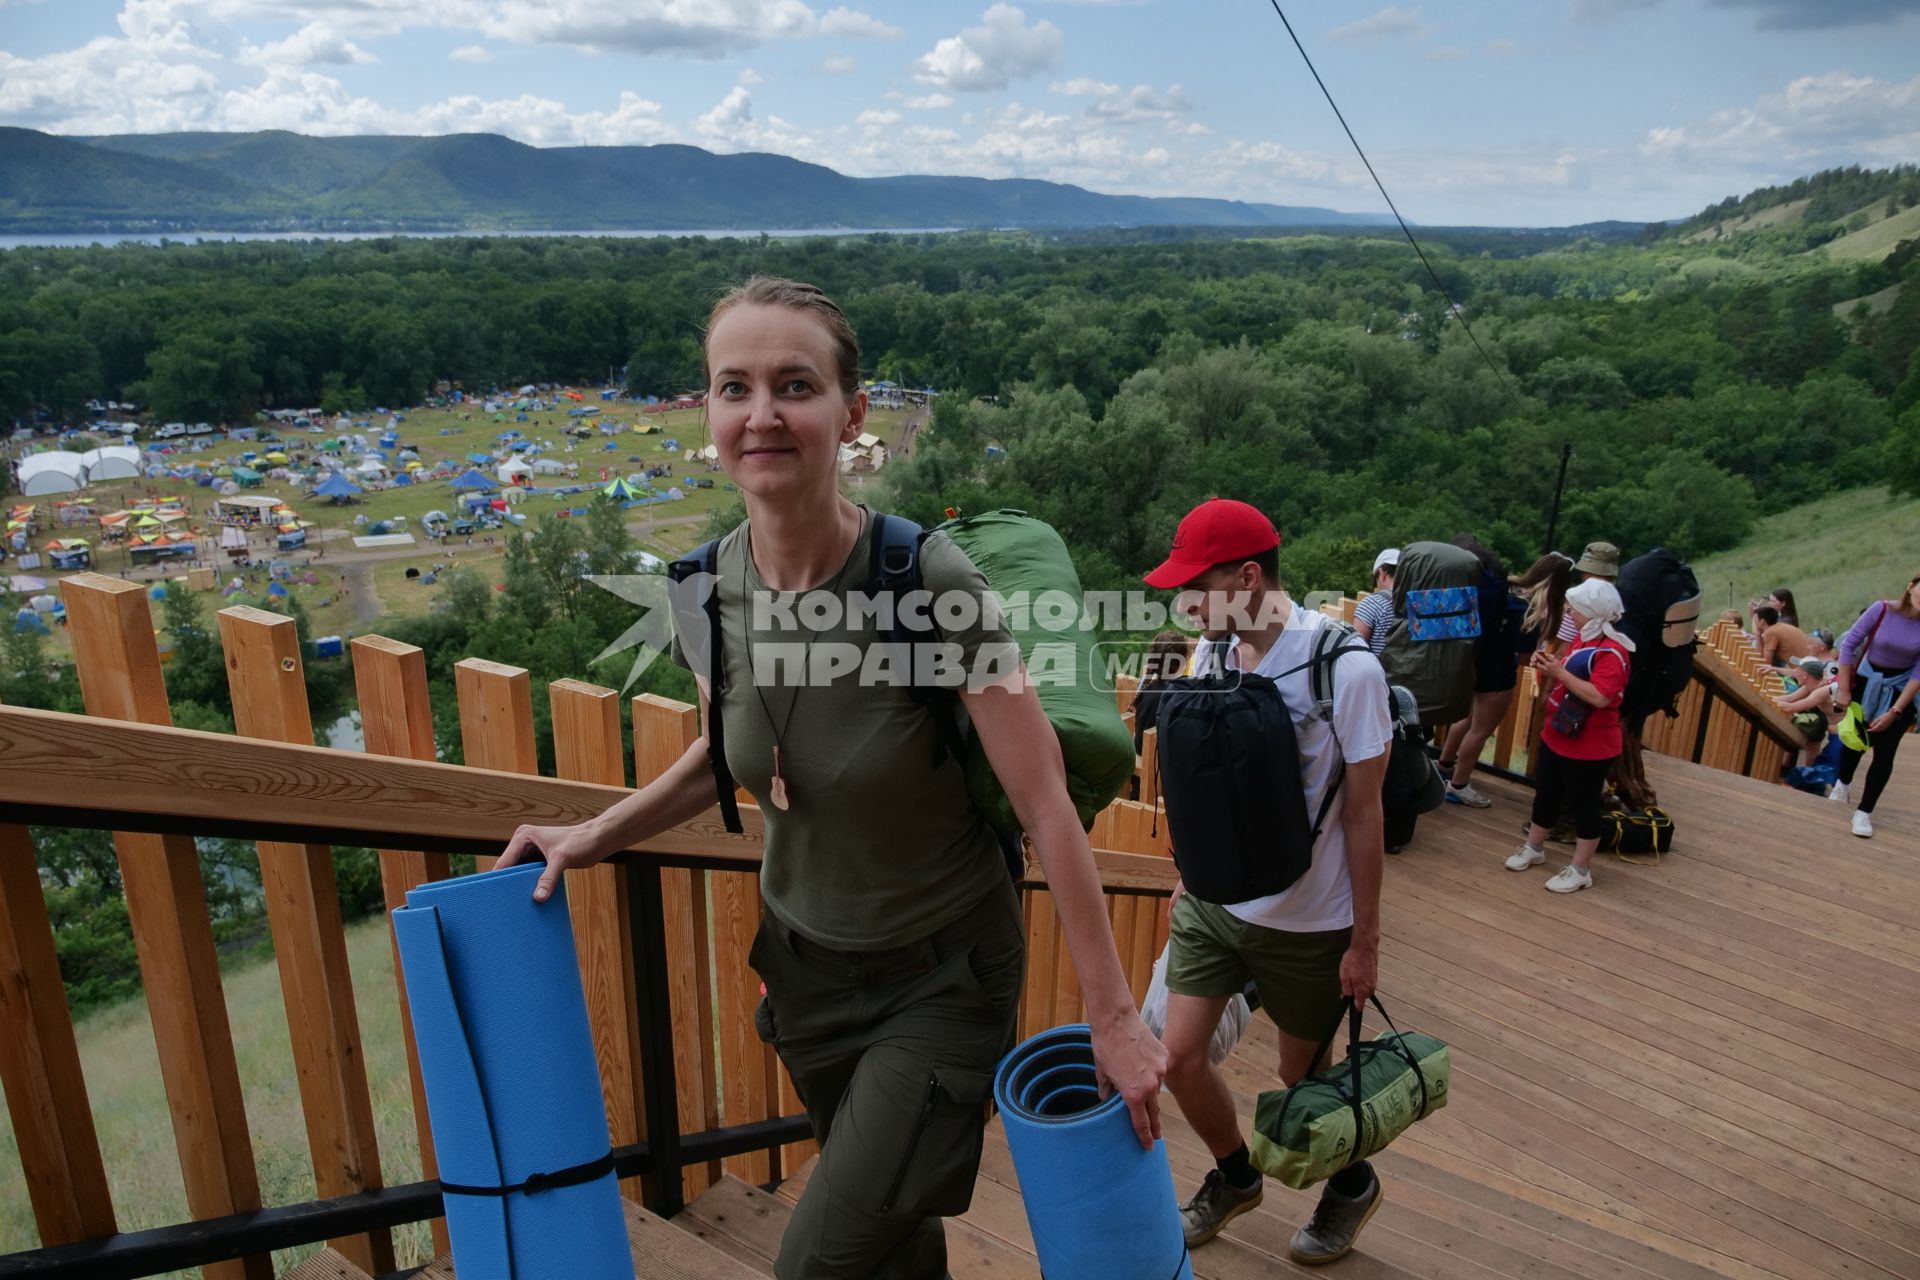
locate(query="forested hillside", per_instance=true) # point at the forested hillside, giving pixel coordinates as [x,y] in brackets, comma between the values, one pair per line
[1321,377]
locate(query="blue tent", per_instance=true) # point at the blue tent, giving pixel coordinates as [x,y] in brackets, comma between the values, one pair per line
[336,486]
[479,459]
[473,480]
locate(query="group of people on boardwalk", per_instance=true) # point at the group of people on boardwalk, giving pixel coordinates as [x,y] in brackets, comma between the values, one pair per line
[891,946]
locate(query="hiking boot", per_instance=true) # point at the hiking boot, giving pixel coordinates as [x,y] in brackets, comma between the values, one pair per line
[1839,793]
[1215,1204]
[1336,1224]
[1570,879]
[1526,856]
[1863,824]
[1467,796]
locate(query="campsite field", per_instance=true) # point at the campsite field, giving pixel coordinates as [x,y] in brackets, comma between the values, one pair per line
[443,436]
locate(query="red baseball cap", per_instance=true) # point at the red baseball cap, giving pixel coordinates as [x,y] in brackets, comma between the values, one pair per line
[1214,532]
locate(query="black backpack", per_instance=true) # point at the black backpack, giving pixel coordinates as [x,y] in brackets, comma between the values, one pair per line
[1230,773]
[1661,599]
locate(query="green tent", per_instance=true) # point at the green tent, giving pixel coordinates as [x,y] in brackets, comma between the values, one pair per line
[247,477]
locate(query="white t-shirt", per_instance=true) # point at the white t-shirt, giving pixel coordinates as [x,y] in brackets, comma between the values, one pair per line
[1322,899]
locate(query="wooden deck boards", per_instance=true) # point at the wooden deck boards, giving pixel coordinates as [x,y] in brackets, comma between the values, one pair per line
[1709,1067]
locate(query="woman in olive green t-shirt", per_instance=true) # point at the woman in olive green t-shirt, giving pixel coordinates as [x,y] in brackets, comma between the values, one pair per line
[891,948]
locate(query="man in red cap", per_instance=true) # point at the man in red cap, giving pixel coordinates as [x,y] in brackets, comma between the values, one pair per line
[1317,941]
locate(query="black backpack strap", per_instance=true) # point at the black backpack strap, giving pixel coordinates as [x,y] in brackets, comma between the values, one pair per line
[893,568]
[705,558]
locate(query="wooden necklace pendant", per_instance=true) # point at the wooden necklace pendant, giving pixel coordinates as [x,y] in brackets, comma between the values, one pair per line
[778,791]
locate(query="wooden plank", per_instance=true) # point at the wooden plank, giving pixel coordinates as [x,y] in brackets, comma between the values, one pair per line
[396,719]
[496,721]
[662,732]
[327,1265]
[40,1062]
[135,772]
[661,1251]
[745,1096]
[589,746]
[119,667]
[309,941]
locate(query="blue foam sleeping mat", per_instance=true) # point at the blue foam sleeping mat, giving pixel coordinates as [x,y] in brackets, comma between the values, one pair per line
[1100,1206]
[513,1090]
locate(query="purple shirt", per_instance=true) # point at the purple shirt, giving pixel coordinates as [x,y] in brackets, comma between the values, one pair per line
[1896,645]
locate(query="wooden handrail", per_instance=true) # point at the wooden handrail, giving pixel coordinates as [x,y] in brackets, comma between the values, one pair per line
[137,777]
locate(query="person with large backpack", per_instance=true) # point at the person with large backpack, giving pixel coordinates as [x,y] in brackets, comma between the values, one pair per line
[892,947]
[1495,675]
[1272,772]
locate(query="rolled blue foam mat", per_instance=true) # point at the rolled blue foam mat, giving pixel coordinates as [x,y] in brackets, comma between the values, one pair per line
[513,1089]
[1099,1206]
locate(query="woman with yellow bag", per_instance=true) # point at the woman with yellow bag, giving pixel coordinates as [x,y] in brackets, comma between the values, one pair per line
[1879,658]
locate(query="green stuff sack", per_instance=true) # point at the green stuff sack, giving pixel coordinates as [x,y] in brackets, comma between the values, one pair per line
[1353,1109]
[1025,560]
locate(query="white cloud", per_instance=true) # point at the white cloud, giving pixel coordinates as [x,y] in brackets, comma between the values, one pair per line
[877,119]
[1141,102]
[472,53]
[1606,10]
[730,126]
[1816,121]
[990,56]
[1390,21]
[847,22]
[316,44]
[1082,88]
[930,102]
[839,64]
[749,77]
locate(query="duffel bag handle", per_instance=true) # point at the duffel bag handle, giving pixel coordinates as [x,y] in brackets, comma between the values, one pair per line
[1350,1011]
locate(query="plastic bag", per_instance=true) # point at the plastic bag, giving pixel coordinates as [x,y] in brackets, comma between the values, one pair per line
[1233,1022]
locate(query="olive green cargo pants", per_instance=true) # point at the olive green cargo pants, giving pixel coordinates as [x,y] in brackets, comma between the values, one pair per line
[892,1054]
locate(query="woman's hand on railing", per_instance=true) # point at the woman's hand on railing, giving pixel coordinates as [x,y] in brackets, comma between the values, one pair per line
[565,849]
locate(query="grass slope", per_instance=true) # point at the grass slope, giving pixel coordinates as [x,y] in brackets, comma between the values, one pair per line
[1836,554]
[1871,243]
[129,1104]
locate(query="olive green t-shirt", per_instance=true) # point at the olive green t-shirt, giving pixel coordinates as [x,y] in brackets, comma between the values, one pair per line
[879,845]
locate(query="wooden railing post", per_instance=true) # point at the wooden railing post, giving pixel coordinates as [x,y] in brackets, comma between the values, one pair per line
[662,731]
[309,940]
[119,667]
[588,747]
[396,719]
[40,1062]
[496,721]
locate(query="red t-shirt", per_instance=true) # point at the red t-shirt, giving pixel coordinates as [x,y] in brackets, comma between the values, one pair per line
[1599,738]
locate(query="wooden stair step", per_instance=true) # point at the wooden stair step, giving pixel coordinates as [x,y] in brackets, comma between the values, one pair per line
[326,1265]
[747,1223]
[659,1253]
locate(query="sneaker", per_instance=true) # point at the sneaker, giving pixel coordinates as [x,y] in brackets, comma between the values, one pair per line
[1526,856]
[1570,879]
[1863,824]
[1215,1204]
[1336,1224]
[1839,793]
[1467,796]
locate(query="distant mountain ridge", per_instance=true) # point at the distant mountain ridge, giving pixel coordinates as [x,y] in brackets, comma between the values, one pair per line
[276,181]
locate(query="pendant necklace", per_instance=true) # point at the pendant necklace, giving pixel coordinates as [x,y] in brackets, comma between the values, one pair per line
[777,791]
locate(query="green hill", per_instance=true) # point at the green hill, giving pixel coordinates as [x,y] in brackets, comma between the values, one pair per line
[1837,554]
[1875,241]
[283,181]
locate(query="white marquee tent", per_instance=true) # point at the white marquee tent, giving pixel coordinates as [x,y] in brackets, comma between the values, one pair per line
[57,471]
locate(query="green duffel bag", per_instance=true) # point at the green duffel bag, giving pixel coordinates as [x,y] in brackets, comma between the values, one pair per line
[1310,1132]
[1025,560]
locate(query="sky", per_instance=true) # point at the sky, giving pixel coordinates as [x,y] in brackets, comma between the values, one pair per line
[1487,112]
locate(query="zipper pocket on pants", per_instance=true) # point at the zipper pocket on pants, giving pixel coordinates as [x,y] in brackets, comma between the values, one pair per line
[913,1143]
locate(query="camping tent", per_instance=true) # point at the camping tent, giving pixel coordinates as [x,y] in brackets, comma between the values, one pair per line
[473,480]
[513,469]
[336,487]
[114,462]
[246,477]
[620,491]
[56,471]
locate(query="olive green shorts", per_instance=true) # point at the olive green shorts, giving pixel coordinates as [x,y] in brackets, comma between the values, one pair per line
[1212,952]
